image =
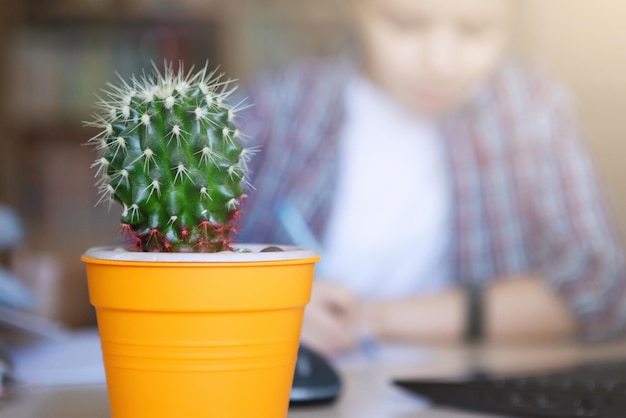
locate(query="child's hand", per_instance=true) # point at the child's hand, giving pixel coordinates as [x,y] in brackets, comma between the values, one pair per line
[329,318]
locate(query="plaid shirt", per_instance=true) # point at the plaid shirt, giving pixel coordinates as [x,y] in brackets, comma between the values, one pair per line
[525,196]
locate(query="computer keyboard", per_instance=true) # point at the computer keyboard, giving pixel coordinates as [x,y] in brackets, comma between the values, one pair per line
[593,390]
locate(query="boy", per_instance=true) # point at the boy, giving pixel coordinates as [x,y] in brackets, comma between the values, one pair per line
[446,185]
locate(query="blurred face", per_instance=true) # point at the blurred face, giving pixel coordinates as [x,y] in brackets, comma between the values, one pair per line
[429,54]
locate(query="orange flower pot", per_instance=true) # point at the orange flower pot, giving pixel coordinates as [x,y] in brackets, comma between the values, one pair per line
[200,339]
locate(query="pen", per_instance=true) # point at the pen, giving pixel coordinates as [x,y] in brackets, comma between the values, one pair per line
[298,230]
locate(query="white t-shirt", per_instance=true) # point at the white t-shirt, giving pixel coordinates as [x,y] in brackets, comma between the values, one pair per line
[389,231]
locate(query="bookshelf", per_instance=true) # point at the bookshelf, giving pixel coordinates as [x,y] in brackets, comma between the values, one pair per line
[56,55]
[61,54]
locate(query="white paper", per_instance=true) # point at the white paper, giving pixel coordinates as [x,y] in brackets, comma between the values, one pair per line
[371,354]
[73,359]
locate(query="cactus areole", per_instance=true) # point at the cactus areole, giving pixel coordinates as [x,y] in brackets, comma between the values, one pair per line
[169,152]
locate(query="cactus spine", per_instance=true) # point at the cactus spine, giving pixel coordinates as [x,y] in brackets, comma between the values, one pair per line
[169,152]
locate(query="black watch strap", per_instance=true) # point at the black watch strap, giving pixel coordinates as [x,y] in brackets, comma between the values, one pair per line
[474,331]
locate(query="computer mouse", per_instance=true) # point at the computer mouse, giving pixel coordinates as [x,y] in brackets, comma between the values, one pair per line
[315,380]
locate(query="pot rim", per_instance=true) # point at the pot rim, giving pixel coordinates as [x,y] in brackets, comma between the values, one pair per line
[290,252]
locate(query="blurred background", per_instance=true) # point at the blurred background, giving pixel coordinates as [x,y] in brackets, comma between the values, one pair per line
[55,55]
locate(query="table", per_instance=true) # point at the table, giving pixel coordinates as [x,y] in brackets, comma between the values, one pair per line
[367,391]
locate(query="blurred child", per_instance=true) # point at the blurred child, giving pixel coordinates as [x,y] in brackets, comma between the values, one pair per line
[444,184]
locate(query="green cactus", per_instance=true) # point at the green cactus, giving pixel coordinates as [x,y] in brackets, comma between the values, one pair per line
[169,152]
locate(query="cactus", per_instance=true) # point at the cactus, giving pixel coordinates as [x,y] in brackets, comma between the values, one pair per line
[169,152]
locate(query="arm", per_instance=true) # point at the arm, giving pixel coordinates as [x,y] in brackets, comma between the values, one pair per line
[576,283]
[576,245]
[515,309]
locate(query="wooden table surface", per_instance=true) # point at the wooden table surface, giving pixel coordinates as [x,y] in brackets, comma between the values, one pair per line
[367,390]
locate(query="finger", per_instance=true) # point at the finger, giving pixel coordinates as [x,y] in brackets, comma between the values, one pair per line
[335,297]
[324,332]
